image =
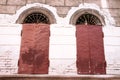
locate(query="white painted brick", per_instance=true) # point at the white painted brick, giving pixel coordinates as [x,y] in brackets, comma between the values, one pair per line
[13,50]
[9,59]
[112,41]
[10,30]
[10,25]
[112,71]
[112,54]
[62,39]
[62,51]
[111,31]
[63,66]
[10,39]
[62,30]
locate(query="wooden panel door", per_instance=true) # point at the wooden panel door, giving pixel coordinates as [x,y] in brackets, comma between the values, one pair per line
[90,50]
[34,53]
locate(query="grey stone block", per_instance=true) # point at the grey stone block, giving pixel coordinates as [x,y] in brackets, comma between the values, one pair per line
[7,9]
[115,12]
[72,2]
[114,3]
[3,1]
[117,20]
[35,1]
[16,2]
[55,2]
[97,2]
[62,10]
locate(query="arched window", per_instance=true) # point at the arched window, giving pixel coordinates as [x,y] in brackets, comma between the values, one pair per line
[89,19]
[36,18]
[36,15]
[87,16]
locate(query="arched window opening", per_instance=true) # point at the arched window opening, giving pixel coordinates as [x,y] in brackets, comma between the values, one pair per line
[36,18]
[88,19]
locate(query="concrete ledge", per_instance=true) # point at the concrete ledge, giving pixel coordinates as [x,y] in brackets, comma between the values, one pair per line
[59,77]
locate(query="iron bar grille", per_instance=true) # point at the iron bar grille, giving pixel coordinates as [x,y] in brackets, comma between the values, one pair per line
[36,18]
[88,19]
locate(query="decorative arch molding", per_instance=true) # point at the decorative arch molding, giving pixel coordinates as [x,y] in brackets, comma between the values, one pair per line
[93,9]
[47,10]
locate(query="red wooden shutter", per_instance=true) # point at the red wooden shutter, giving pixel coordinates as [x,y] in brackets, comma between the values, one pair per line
[82,50]
[90,50]
[34,54]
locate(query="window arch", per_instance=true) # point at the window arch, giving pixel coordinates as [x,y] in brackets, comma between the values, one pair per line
[44,15]
[89,16]
[89,19]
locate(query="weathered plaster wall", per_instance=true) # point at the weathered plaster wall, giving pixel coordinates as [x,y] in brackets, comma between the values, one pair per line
[62,39]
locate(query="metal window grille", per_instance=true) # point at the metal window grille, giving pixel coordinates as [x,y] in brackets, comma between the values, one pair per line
[36,18]
[88,19]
